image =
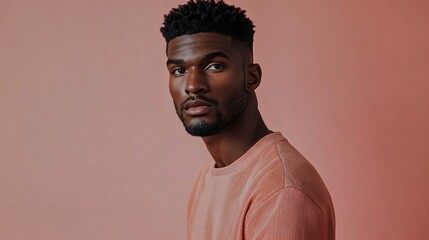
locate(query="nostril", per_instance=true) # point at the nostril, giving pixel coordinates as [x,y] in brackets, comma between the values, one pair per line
[199,91]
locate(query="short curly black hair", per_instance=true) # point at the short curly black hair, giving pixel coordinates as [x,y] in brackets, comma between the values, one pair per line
[208,16]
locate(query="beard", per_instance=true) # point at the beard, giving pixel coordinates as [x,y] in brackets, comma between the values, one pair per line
[235,107]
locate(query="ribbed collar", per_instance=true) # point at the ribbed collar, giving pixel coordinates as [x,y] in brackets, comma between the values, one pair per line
[249,156]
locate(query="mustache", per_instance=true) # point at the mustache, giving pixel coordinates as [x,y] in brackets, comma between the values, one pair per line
[200,97]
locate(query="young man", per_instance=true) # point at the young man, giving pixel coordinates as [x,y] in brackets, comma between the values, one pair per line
[259,187]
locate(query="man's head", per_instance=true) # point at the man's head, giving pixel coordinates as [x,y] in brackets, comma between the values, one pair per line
[212,75]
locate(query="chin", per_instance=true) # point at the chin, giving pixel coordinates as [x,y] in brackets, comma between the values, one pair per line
[202,128]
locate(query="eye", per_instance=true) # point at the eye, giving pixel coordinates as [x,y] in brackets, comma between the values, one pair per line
[215,67]
[178,71]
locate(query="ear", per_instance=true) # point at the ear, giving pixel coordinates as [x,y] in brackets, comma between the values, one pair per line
[254,77]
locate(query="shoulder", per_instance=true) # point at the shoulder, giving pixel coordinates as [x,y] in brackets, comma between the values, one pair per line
[284,170]
[298,172]
[280,166]
[287,202]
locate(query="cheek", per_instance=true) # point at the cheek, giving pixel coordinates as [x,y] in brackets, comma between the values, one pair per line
[229,84]
[172,89]
[176,90]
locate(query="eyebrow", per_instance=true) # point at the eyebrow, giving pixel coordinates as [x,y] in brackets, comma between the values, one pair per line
[175,61]
[203,58]
[215,54]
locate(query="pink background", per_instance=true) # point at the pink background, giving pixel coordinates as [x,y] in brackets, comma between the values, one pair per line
[91,148]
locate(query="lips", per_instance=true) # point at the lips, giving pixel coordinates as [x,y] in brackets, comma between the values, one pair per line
[197,107]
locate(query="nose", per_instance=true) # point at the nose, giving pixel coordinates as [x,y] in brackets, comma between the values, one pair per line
[196,82]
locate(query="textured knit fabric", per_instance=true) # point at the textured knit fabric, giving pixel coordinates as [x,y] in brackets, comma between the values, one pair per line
[271,192]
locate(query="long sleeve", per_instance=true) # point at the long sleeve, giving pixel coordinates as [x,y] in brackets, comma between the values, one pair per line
[287,214]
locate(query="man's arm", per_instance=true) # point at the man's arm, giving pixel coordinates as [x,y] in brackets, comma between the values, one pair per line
[287,214]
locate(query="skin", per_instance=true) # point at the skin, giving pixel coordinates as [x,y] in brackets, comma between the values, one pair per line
[214,67]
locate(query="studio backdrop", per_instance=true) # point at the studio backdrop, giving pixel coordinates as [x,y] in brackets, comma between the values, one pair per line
[91,147]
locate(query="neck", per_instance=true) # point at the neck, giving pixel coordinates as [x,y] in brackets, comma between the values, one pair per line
[231,143]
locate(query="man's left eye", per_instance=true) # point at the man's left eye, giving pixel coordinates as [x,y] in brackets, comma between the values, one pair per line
[215,66]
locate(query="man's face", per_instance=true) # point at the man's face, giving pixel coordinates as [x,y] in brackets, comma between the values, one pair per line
[207,81]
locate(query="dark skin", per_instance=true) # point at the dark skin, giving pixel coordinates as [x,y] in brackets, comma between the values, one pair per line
[213,66]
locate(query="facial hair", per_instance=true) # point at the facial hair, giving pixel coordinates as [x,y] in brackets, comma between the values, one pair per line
[235,108]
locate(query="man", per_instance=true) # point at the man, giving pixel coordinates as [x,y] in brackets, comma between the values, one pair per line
[259,187]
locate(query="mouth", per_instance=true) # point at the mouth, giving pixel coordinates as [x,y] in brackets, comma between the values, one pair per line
[197,107]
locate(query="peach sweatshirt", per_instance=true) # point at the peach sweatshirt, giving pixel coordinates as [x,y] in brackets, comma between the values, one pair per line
[271,192]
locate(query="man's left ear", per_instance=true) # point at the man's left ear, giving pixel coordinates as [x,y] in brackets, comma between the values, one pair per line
[254,77]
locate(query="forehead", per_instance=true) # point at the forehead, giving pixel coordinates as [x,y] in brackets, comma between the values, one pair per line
[200,44]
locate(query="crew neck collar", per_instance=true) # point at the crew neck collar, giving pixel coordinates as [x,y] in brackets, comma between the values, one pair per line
[248,156]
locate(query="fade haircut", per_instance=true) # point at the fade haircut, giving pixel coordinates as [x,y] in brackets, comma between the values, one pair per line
[208,16]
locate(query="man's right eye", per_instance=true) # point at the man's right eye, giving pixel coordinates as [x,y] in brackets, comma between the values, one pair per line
[178,71]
